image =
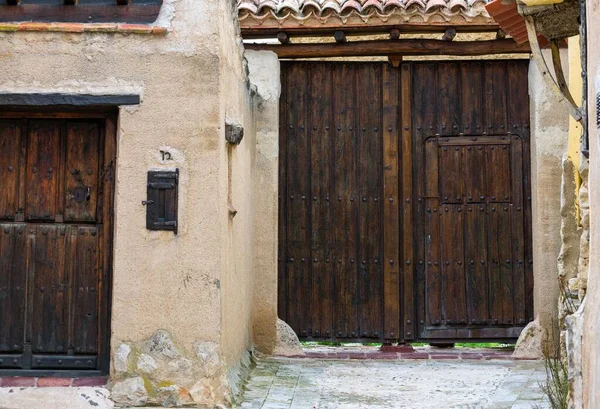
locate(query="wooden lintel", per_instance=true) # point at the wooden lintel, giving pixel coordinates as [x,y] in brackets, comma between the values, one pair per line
[339,36]
[409,47]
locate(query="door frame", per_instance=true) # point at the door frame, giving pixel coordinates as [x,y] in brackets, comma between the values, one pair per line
[109,150]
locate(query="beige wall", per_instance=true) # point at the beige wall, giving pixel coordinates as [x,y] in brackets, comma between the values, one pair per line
[549,140]
[196,285]
[263,67]
[591,334]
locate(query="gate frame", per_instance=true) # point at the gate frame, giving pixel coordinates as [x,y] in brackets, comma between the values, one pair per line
[545,290]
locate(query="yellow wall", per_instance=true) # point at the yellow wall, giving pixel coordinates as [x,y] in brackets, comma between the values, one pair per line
[576,88]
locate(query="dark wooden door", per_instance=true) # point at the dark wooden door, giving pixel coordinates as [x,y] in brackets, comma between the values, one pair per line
[55,242]
[470,130]
[369,155]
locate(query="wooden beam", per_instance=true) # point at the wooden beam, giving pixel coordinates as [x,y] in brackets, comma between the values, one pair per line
[388,47]
[449,34]
[394,34]
[339,36]
[252,30]
[283,37]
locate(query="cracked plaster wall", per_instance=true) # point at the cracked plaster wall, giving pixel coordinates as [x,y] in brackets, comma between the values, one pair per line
[197,285]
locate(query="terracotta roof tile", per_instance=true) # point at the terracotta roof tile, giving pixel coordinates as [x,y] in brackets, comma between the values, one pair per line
[281,10]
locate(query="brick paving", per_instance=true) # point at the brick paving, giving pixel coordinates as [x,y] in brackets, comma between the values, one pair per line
[25,381]
[423,383]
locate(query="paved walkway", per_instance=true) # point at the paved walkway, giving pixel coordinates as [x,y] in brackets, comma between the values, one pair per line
[305,383]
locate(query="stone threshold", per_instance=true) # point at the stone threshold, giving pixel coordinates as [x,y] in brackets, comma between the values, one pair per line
[418,354]
[41,382]
[83,28]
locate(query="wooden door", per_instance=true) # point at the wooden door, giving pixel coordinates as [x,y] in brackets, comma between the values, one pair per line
[470,130]
[393,182]
[55,242]
[335,138]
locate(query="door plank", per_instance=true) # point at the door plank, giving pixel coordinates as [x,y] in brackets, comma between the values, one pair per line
[12,286]
[495,97]
[433,276]
[369,146]
[346,209]
[391,219]
[49,304]
[298,234]
[407,204]
[451,180]
[83,267]
[498,173]
[11,145]
[472,104]
[81,173]
[476,254]
[43,166]
[321,111]
[453,265]
[518,230]
[448,98]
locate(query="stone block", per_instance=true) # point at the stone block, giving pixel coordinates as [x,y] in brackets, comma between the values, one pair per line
[131,391]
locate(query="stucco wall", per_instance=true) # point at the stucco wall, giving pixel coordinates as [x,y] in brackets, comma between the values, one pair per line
[591,332]
[549,142]
[263,69]
[197,285]
[237,174]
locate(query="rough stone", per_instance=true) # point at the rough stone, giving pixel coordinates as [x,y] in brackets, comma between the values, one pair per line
[574,341]
[173,396]
[287,341]
[531,342]
[121,358]
[146,363]
[208,354]
[162,344]
[202,392]
[130,391]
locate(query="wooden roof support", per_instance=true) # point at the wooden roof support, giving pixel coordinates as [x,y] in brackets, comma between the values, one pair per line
[449,34]
[394,34]
[405,47]
[558,85]
[395,60]
[339,36]
[283,37]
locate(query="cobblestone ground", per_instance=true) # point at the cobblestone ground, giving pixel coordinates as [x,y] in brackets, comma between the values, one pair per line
[280,383]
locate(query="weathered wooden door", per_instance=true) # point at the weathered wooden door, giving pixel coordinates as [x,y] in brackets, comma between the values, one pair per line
[393,182]
[55,242]
[470,127]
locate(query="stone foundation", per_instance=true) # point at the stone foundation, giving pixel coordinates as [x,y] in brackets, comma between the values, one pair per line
[158,372]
